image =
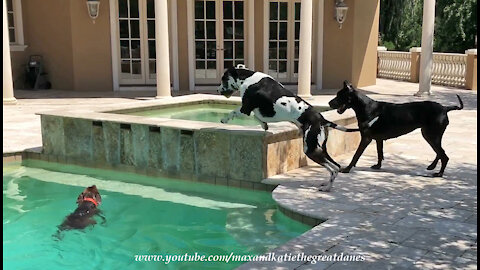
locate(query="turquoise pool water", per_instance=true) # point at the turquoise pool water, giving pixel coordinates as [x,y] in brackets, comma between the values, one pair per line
[144,216]
[200,112]
[205,113]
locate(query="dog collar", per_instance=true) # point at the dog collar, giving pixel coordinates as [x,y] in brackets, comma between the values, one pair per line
[91,200]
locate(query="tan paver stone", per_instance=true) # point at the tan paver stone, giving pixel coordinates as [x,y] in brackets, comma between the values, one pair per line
[470,254]
[409,253]
[442,243]
[472,219]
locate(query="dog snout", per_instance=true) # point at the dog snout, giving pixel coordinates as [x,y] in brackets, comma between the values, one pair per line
[333,103]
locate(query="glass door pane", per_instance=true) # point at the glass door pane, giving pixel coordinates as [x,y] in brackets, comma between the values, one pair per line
[283,42]
[233,33]
[296,39]
[11,21]
[278,40]
[205,41]
[131,68]
[150,41]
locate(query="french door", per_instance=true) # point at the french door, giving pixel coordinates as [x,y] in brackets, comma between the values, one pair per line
[283,39]
[136,41]
[219,38]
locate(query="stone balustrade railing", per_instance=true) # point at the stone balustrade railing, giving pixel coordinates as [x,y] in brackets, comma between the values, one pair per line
[394,65]
[450,69]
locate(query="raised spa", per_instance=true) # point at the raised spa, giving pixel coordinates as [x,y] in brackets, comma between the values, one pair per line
[179,137]
[166,138]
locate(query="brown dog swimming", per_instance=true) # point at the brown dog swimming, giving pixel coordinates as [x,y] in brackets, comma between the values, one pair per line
[88,202]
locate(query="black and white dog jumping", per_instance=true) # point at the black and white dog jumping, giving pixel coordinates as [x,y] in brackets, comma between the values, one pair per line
[271,102]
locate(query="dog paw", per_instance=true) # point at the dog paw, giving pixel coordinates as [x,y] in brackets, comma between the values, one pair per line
[437,174]
[376,167]
[325,187]
[431,167]
[345,170]
[224,120]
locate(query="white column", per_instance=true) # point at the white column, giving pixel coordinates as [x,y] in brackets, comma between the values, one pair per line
[8,97]
[305,57]
[426,58]
[162,49]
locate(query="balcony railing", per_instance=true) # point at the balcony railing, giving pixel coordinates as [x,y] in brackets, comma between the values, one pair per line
[394,65]
[449,69]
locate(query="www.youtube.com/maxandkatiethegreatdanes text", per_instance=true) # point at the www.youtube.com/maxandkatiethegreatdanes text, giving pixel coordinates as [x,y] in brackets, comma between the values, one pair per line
[268,257]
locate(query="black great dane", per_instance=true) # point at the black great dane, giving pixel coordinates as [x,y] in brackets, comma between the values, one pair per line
[380,121]
[271,102]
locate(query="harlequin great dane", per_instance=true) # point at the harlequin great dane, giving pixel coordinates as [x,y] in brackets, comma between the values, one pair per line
[380,121]
[271,102]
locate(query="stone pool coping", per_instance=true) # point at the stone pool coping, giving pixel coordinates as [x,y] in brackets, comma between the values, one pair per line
[116,113]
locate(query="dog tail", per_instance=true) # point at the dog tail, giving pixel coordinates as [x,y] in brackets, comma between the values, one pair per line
[450,108]
[341,128]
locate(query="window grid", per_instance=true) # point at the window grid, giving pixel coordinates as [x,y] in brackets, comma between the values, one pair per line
[284,39]
[130,44]
[234,33]
[278,39]
[151,39]
[11,22]
[205,39]
[296,38]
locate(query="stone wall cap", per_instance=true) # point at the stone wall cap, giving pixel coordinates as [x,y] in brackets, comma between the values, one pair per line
[471,51]
[381,48]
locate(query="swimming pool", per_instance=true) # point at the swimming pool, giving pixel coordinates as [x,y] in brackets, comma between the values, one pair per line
[144,216]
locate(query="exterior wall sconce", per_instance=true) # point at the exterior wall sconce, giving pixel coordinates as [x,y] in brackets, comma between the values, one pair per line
[340,12]
[93,7]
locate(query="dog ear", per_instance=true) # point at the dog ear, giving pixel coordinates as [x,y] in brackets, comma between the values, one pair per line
[96,194]
[98,198]
[233,72]
[80,197]
[348,85]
